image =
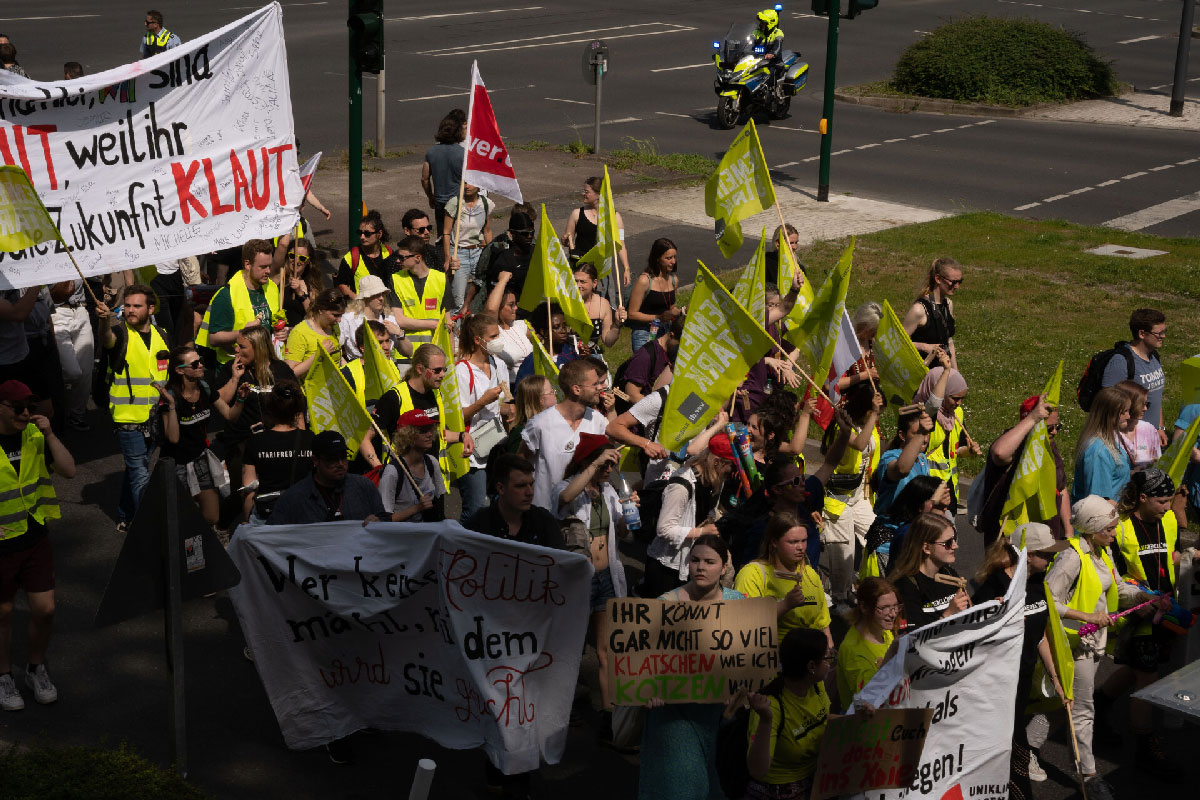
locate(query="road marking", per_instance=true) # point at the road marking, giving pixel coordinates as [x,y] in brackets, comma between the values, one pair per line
[1027,206]
[1081,191]
[457,94]
[669,114]
[1133,175]
[811,158]
[944,130]
[608,122]
[968,125]
[685,66]
[918,135]
[460,14]
[784,166]
[1079,10]
[986,122]
[893,141]
[839,152]
[64,16]
[867,146]
[1157,213]
[807,16]
[1108,183]
[543,41]
[923,33]
[786,128]
[1161,168]
[1113,182]
[1188,161]
[564,100]
[1141,39]
[1056,197]
[290,5]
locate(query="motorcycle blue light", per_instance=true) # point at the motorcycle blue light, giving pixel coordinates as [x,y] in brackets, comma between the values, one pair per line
[779,6]
[717,45]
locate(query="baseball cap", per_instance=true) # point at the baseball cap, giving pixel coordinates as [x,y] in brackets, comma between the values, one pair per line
[371,285]
[416,418]
[719,446]
[329,444]
[14,391]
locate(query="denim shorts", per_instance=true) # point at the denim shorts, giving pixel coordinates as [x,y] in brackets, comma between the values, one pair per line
[602,589]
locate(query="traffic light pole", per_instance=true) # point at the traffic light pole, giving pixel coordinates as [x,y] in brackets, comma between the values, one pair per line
[1181,57]
[355,148]
[835,11]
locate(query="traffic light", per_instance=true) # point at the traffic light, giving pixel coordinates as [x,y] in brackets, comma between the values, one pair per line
[366,34]
[859,5]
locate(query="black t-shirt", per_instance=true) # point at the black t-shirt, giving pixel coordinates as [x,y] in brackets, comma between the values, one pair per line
[378,266]
[193,425]
[1152,545]
[239,429]
[36,530]
[387,410]
[925,600]
[280,458]
[538,526]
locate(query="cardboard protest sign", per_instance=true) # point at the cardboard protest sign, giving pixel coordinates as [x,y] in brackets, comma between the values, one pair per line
[882,751]
[684,652]
[470,640]
[961,668]
[185,152]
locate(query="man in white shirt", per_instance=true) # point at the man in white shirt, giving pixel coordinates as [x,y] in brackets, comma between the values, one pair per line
[549,439]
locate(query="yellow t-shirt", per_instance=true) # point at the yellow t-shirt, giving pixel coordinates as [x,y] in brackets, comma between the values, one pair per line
[858,661]
[795,747]
[304,340]
[757,579]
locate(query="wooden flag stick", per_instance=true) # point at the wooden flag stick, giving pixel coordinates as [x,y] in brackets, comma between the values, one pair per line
[462,185]
[1075,751]
[396,459]
[75,263]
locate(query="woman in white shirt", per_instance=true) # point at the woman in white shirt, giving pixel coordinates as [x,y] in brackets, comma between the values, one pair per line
[482,380]
[514,333]
[371,305]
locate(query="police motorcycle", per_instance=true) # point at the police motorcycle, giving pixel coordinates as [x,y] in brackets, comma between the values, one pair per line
[743,83]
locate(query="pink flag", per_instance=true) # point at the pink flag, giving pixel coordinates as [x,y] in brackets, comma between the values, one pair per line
[307,170]
[487,164]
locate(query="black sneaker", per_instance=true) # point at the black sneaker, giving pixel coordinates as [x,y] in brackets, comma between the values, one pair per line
[340,751]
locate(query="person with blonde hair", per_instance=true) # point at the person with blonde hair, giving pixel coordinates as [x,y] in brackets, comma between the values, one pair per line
[930,320]
[318,330]
[924,571]
[1138,437]
[1101,463]
[415,435]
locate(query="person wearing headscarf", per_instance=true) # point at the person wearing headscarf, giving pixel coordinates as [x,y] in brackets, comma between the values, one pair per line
[942,392]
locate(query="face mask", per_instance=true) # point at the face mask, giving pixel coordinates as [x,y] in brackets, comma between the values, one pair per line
[495,347]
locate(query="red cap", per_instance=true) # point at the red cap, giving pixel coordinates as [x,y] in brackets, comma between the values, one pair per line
[589,443]
[1029,405]
[14,391]
[719,446]
[416,418]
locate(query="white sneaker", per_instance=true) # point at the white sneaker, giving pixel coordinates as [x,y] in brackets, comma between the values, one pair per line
[1036,773]
[10,697]
[38,679]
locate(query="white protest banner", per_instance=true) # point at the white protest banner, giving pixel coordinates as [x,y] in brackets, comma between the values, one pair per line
[470,640]
[184,152]
[964,667]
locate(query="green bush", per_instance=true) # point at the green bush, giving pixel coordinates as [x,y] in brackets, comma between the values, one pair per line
[68,773]
[1013,62]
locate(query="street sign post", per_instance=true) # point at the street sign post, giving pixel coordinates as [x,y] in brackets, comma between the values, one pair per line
[595,64]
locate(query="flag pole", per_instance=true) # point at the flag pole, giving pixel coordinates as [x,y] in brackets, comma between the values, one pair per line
[1075,751]
[549,331]
[75,264]
[396,458]
[462,184]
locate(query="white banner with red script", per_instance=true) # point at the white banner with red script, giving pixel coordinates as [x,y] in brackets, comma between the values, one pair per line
[470,640]
[487,163]
[964,667]
[185,152]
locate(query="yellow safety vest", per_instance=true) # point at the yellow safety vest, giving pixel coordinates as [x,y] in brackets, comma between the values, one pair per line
[360,269]
[359,380]
[406,404]
[852,464]
[427,306]
[243,311]
[1088,588]
[157,42]
[131,394]
[31,494]
[1131,551]
[942,465]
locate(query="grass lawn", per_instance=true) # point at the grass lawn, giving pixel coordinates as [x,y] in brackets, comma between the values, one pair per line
[1030,296]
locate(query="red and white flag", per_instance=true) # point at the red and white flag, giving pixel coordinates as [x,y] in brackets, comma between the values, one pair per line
[845,354]
[307,170]
[487,164]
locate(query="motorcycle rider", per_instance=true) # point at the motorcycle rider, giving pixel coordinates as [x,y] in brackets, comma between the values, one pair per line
[768,36]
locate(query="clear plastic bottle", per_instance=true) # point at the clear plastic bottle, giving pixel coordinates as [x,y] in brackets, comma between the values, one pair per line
[633,517]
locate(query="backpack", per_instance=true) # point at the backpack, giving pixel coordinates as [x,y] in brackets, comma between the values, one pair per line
[732,744]
[619,379]
[651,497]
[1091,382]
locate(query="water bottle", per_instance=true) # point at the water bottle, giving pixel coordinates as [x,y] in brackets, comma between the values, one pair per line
[633,517]
[654,324]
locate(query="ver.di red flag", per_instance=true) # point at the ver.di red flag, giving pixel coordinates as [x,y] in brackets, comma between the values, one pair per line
[308,170]
[487,164]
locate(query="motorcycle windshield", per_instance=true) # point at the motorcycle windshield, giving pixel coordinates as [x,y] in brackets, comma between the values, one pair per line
[739,42]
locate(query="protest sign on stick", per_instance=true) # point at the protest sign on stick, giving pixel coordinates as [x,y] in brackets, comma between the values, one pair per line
[882,751]
[684,652]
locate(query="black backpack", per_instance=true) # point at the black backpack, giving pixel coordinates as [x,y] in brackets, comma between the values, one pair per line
[619,379]
[1091,382]
[732,744]
[650,506]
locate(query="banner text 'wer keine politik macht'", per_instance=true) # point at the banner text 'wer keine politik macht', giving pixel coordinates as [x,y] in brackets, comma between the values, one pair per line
[188,151]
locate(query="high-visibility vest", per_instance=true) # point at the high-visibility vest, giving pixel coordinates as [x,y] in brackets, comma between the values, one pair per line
[157,42]
[358,380]
[243,311]
[426,306]
[852,464]
[30,494]
[406,404]
[131,394]
[942,451]
[1131,551]
[1088,587]
[358,264]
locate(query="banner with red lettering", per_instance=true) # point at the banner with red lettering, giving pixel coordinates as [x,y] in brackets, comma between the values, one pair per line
[487,164]
[470,640]
[185,152]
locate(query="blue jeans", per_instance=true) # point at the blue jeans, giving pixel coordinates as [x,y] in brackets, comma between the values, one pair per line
[136,449]
[639,338]
[467,259]
[473,488]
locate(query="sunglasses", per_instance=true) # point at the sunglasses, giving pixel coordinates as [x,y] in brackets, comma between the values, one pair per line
[406,256]
[437,370]
[795,482]
[193,364]
[299,258]
[950,543]
[422,229]
[953,283]
[1055,428]
[27,407]
[362,232]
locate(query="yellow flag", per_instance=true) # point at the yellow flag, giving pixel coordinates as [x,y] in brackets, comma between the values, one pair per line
[550,277]
[901,368]
[787,271]
[818,333]
[455,465]
[332,404]
[608,235]
[740,188]
[720,342]
[751,288]
[24,221]
[1174,462]
[380,373]
[1032,496]
[1053,389]
[544,365]
[1060,647]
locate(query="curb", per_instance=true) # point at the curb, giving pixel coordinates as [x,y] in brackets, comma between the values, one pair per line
[907,105]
